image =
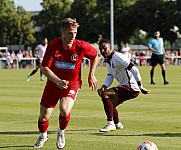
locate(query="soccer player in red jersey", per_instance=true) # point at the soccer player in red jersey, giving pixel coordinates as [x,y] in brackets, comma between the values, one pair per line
[62,67]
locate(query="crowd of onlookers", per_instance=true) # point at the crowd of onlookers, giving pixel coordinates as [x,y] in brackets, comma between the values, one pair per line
[10,59]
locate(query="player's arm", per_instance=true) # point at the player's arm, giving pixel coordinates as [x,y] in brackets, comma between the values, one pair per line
[62,84]
[91,78]
[108,81]
[134,70]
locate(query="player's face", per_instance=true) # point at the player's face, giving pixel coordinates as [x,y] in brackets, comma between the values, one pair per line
[68,35]
[45,41]
[157,34]
[105,49]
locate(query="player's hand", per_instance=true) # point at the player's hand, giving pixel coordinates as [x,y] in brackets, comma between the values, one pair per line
[99,91]
[93,82]
[145,91]
[62,84]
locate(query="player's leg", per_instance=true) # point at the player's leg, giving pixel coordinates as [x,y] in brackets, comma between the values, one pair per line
[43,123]
[32,73]
[162,65]
[49,100]
[41,74]
[154,61]
[110,101]
[152,74]
[68,98]
[116,119]
[66,105]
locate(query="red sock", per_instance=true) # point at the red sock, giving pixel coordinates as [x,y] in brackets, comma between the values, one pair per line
[43,126]
[63,121]
[108,108]
[115,116]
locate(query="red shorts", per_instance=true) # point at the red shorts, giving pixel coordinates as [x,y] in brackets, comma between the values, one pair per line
[51,95]
[125,93]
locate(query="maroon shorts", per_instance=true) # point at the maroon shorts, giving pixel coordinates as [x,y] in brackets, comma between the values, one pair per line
[51,95]
[125,93]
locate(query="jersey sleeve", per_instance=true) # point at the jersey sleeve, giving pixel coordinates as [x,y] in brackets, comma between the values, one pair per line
[150,43]
[48,57]
[109,78]
[90,52]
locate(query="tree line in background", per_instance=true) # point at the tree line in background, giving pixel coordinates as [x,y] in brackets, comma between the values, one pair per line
[134,20]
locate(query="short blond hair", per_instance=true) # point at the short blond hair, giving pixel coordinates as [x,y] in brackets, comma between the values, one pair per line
[69,22]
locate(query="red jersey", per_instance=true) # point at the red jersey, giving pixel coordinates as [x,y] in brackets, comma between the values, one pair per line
[66,63]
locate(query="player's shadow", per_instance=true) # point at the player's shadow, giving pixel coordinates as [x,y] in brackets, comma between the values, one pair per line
[154,135]
[17,133]
[22,146]
[35,133]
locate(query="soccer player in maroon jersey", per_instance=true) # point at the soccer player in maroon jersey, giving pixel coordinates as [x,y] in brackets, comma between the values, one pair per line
[62,67]
[129,84]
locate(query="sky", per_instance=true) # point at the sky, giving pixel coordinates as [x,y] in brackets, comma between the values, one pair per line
[29,5]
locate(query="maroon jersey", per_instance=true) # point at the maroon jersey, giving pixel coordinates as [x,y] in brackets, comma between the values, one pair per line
[66,63]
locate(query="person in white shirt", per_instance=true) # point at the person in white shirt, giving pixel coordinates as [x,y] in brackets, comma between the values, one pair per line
[39,54]
[123,70]
[126,50]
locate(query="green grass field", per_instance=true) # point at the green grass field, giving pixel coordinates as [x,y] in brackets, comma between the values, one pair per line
[155,117]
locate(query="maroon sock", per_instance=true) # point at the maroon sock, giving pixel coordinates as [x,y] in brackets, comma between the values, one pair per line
[63,121]
[43,126]
[115,116]
[108,108]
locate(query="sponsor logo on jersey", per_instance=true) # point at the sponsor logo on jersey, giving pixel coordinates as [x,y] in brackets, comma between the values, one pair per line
[64,65]
[74,57]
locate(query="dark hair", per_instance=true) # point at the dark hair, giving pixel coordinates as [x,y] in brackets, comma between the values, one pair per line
[69,22]
[104,41]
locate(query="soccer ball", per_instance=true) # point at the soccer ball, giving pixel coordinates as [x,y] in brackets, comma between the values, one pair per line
[147,145]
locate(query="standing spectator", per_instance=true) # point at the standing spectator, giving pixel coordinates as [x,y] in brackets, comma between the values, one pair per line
[40,49]
[126,50]
[13,58]
[156,45]
[19,56]
[7,55]
[62,66]
[123,70]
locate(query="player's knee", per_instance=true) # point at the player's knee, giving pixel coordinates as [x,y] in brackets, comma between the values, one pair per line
[104,95]
[64,113]
[43,118]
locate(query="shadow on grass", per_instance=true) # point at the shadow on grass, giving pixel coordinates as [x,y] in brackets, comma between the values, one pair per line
[23,146]
[154,135]
[95,132]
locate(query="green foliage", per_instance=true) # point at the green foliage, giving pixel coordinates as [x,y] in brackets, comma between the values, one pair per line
[51,15]
[25,31]
[94,17]
[15,27]
[8,21]
[154,117]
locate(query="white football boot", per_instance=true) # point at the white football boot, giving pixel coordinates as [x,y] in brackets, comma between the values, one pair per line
[119,125]
[39,143]
[108,127]
[60,139]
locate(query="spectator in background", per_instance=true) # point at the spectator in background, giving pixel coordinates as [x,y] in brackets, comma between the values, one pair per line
[19,56]
[156,45]
[126,50]
[7,55]
[40,52]
[13,57]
